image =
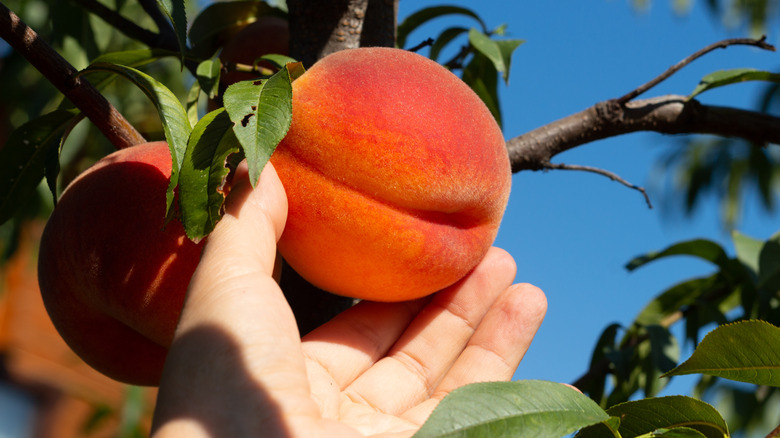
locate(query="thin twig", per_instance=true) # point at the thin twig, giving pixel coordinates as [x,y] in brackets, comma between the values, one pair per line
[608,174]
[427,42]
[761,43]
[62,75]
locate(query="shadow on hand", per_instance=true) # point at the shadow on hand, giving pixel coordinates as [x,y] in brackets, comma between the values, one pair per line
[206,383]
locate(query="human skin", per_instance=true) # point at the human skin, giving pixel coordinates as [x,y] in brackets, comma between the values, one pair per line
[112,273]
[237,366]
[396,174]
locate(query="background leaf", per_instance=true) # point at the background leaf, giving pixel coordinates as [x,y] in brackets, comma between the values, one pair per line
[28,145]
[728,77]
[221,20]
[641,417]
[177,13]
[701,248]
[529,408]
[746,351]
[498,52]
[420,17]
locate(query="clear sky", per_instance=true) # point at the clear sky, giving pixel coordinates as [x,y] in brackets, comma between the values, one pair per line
[571,233]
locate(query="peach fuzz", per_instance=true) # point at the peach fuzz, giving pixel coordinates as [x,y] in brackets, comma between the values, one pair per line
[112,274]
[396,173]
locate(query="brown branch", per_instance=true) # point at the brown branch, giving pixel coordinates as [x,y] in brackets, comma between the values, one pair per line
[611,175]
[775,433]
[761,43]
[61,74]
[665,114]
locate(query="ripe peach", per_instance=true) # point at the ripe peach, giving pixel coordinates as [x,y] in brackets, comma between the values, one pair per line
[269,34]
[396,173]
[113,276]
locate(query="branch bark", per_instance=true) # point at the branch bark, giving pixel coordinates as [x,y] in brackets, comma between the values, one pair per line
[61,74]
[665,114]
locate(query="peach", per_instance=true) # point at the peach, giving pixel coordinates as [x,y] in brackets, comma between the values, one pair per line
[267,35]
[112,274]
[396,173]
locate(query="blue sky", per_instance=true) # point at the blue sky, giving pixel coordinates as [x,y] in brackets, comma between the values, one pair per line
[571,233]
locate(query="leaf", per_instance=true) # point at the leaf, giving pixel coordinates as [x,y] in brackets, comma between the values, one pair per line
[261,112]
[207,75]
[677,432]
[23,157]
[529,408]
[701,248]
[746,351]
[203,173]
[728,77]
[641,417]
[177,13]
[480,74]
[659,354]
[173,116]
[604,347]
[444,38]
[498,52]
[676,298]
[191,105]
[769,264]
[422,16]
[747,250]
[221,20]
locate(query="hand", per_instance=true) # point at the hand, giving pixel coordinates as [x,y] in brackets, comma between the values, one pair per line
[238,368]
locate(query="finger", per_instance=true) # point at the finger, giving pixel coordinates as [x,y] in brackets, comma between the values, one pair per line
[237,337]
[437,336]
[497,347]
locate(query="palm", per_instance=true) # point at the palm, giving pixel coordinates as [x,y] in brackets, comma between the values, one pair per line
[383,367]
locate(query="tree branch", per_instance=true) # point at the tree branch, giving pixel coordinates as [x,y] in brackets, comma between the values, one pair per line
[666,114]
[761,43]
[611,175]
[61,74]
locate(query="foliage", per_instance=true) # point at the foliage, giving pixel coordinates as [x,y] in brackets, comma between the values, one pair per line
[740,296]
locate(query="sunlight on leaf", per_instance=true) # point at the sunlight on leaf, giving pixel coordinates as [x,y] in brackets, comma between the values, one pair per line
[727,77]
[643,417]
[529,408]
[746,351]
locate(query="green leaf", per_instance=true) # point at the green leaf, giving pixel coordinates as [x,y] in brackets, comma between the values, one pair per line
[728,77]
[203,173]
[747,249]
[208,73]
[769,264]
[701,248]
[221,20]
[676,298]
[498,52]
[746,351]
[173,116]
[658,354]
[605,346]
[23,158]
[177,13]
[191,105]
[420,17]
[261,112]
[529,408]
[480,74]
[677,432]
[642,417]
[444,38]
